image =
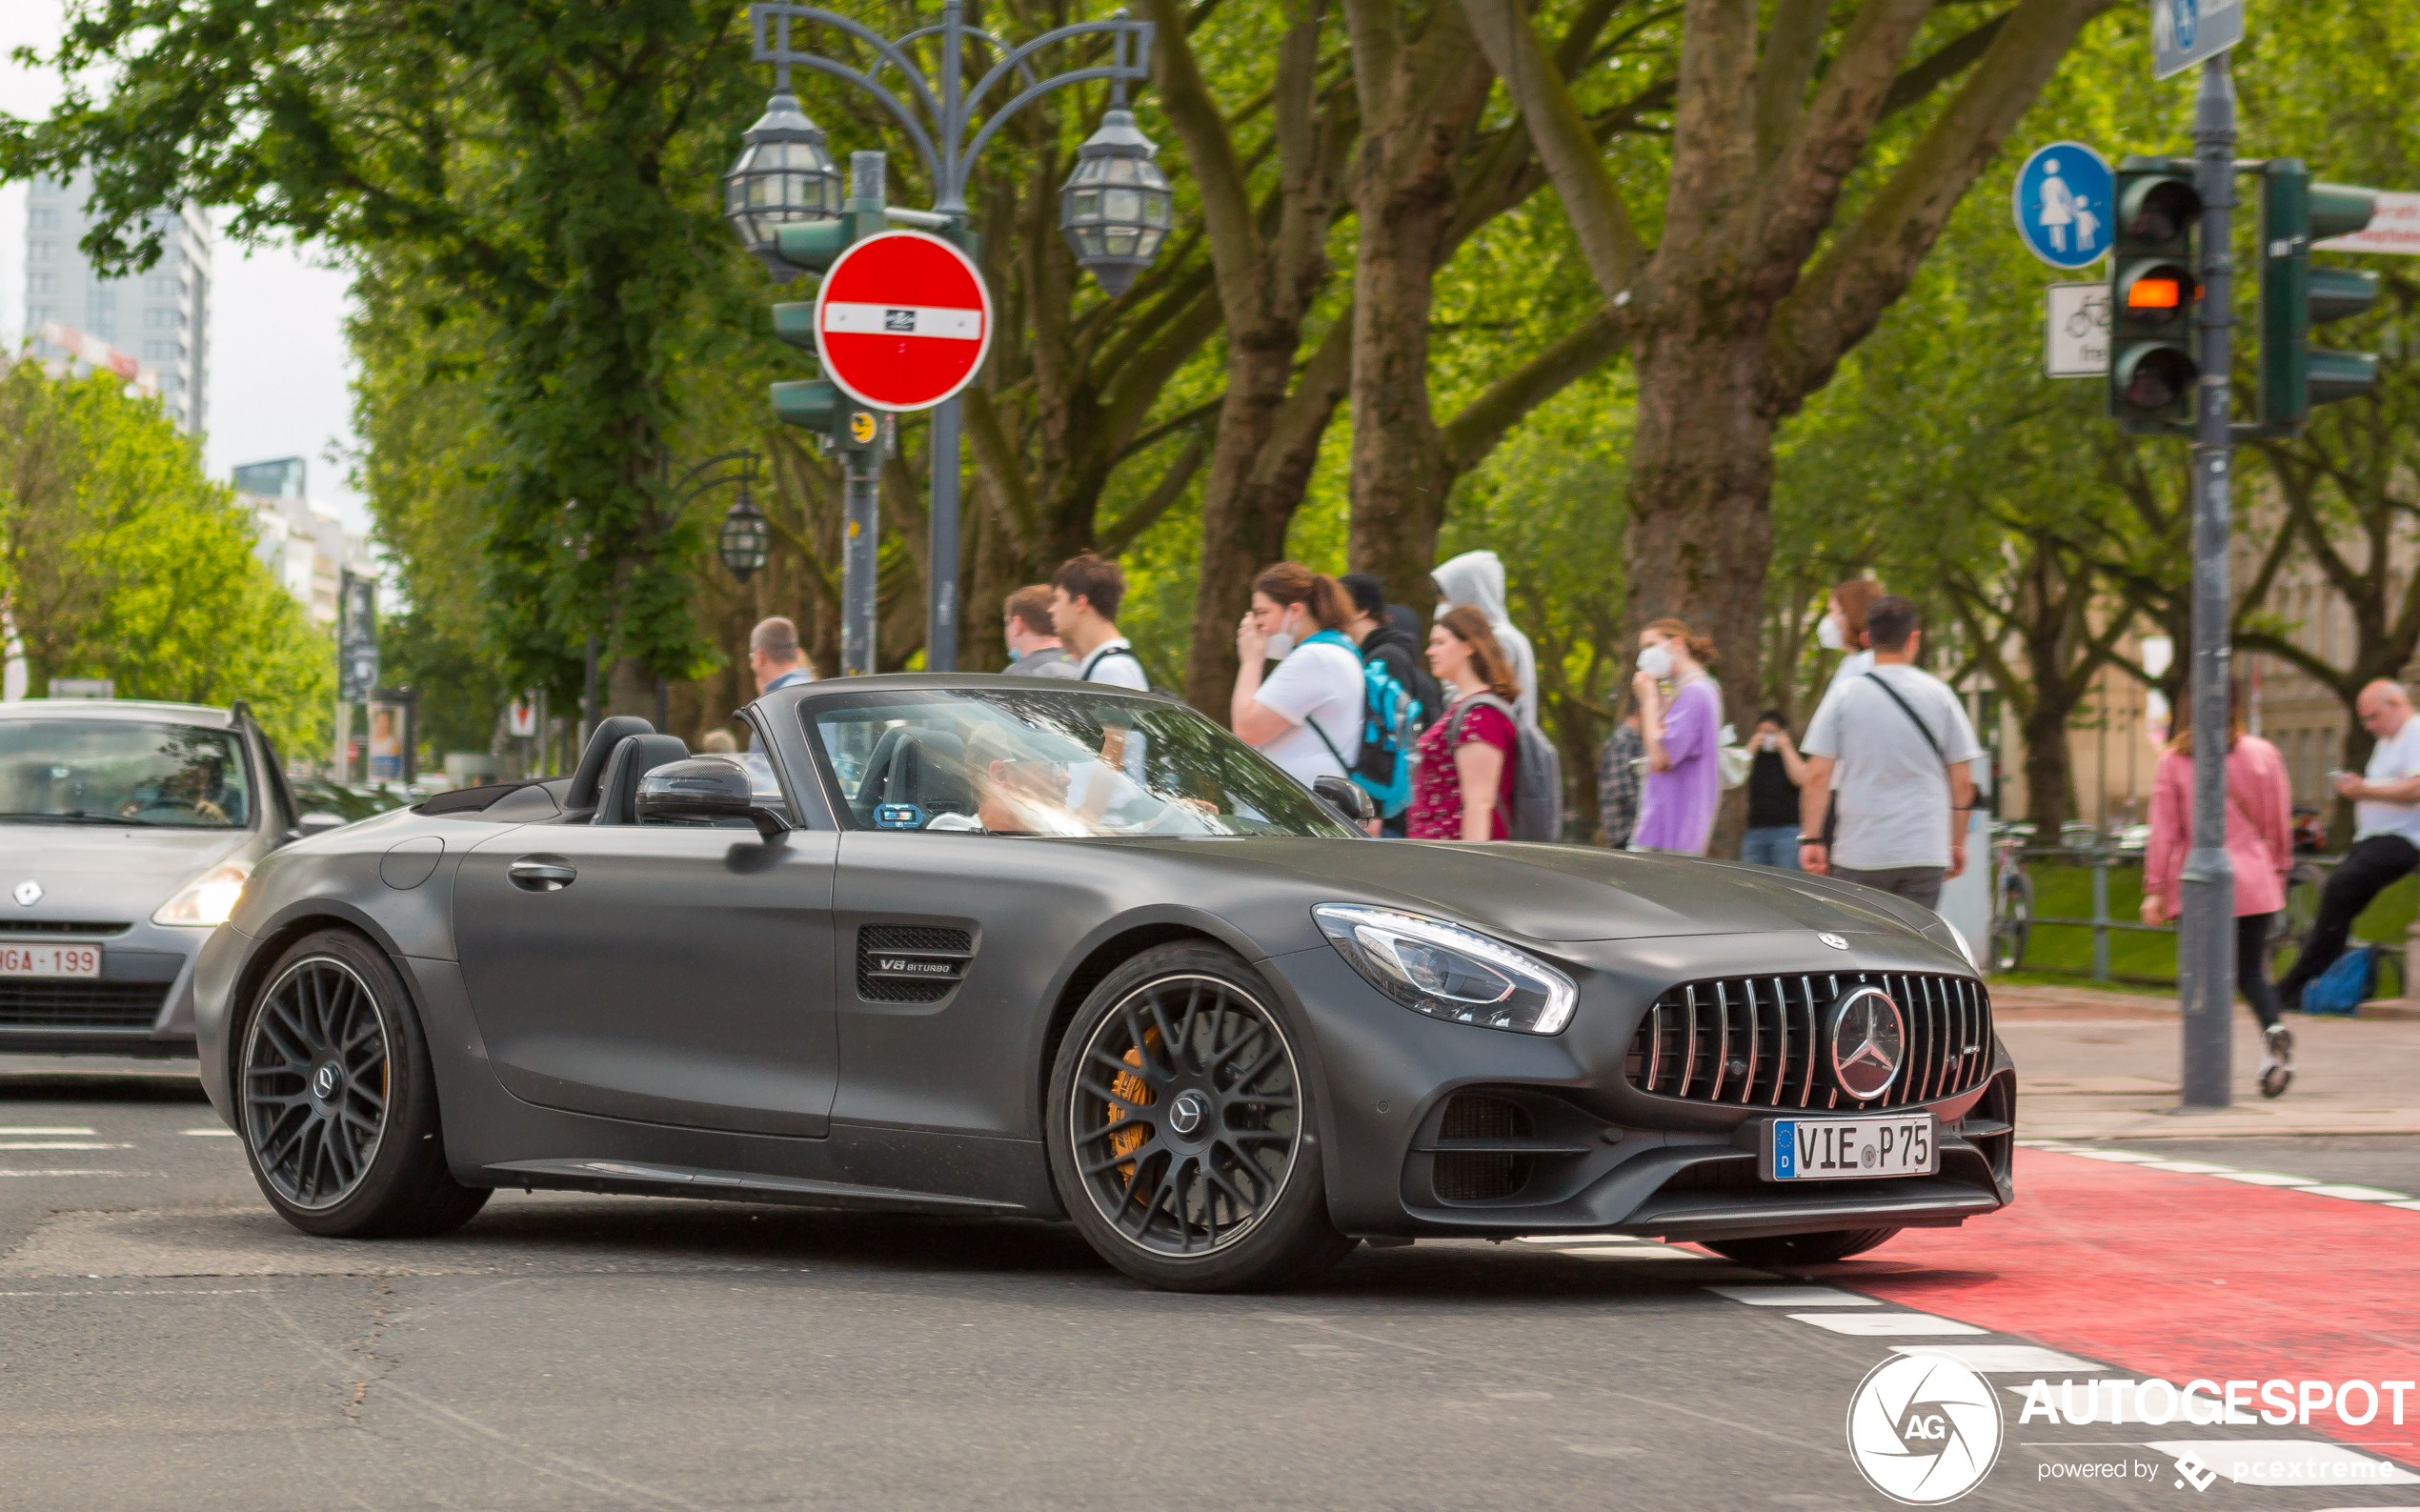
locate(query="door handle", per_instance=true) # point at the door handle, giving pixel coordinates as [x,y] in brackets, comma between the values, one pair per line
[541,874]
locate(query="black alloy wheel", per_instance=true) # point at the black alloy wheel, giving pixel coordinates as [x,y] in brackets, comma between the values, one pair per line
[315,1082]
[1179,1128]
[336,1103]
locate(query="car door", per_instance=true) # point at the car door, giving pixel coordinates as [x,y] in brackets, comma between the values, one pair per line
[668,973]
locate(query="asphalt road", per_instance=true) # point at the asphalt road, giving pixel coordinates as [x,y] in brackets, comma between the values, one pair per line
[165,1342]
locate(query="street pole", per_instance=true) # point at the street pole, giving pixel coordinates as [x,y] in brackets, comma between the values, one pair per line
[940,623]
[861,474]
[2205,947]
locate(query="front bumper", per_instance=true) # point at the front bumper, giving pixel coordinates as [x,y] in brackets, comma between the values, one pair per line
[141,1005]
[1586,1152]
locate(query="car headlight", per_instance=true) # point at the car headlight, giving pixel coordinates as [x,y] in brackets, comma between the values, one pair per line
[206,901]
[1448,972]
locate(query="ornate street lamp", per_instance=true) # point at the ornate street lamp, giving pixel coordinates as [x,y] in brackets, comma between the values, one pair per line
[784,175]
[1116,208]
[746,539]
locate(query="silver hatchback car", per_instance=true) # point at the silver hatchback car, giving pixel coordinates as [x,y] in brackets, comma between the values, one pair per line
[127,831]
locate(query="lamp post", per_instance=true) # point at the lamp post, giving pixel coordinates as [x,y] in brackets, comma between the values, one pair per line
[1114,209]
[743,542]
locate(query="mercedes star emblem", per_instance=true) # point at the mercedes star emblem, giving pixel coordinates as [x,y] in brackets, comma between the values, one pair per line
[1187,1114]
[1868,1040]
[29,893]
[1833,940]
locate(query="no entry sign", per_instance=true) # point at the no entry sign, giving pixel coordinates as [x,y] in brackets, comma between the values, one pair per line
[902,322]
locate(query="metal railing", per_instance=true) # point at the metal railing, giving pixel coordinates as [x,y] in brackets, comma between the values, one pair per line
[2303,888]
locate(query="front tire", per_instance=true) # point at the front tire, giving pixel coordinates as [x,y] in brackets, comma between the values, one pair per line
[1781,1251]
[336,1103]
[1182,1132]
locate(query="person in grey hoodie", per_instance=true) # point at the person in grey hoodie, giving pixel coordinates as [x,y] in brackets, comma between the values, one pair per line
[1477,578]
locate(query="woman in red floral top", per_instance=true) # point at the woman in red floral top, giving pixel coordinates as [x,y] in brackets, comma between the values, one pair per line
[1462,791]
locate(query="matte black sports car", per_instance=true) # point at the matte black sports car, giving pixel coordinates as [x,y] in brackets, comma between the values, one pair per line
[1007,946]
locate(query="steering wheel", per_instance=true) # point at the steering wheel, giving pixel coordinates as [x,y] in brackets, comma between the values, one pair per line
[204,807]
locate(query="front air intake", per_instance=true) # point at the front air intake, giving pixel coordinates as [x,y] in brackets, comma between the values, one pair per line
[1759,1041]
[1481,1174]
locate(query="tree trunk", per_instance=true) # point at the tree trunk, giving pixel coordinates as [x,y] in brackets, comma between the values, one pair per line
[1400,477]
[2048,772]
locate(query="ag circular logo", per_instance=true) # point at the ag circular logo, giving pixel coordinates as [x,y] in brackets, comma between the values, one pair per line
[1868,1040]
[1923,1429]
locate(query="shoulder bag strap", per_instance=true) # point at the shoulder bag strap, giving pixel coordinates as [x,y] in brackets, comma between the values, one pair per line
[1925,729]
[1454,739]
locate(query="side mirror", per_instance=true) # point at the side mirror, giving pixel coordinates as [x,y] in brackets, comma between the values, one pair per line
[1347,797]
[703,788]
[311,824]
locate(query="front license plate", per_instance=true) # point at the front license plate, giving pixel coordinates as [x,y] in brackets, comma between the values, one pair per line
[1838,1149]
[49,960]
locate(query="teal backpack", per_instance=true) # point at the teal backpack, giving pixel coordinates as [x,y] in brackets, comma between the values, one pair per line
[1390,727]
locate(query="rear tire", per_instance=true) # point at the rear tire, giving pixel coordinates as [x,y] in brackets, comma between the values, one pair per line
[1182,1133]
[336,1099]
[1781,1251]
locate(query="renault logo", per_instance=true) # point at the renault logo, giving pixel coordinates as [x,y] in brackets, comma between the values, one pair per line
[1869,1041]
[29,893]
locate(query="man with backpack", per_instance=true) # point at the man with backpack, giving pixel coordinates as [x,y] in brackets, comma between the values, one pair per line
[2385,841]
[1403,699]
[1084,609]
[1902,744]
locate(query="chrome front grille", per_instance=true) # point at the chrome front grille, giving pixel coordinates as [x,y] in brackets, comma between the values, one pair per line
[1759,1041]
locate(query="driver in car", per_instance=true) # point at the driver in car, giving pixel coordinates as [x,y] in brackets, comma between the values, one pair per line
[199,787]
[1016,792]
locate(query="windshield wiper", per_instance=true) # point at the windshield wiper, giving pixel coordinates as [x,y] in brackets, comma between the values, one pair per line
[75,816]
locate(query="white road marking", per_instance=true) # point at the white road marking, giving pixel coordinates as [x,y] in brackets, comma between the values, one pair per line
[1794,1296]
[2288,1461]
[2004,1360]
[2122,1156]
[2265,1178]
[2189,1167]
[1605,1451]
[2415,1208]
[1886,1325]
[2357,1194]
[66,1144]
[13,1129]
[210,1134]
[63,1173]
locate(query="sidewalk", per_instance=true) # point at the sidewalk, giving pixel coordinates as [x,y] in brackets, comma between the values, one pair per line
[2097,1065]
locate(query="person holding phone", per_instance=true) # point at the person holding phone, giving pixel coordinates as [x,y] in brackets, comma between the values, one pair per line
[2386,840]
[1773,777]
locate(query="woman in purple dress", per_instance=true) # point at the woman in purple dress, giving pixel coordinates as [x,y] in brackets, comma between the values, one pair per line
[1681,719]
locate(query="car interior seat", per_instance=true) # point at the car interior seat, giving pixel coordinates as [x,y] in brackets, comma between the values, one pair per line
[923,767]
[580,799]
[618,794]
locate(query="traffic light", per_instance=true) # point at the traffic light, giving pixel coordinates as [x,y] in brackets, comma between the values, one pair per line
[2295,296]
[2152,294]
[813,246]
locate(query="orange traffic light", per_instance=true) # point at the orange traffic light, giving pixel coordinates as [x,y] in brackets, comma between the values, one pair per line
[2154,293]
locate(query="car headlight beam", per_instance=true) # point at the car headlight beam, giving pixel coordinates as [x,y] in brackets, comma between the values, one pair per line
[206,901]
[1448,972]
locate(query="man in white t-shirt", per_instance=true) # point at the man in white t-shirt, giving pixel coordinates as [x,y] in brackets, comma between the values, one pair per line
[1084,609]
[1306,716]
[1901,742]
[2386,838]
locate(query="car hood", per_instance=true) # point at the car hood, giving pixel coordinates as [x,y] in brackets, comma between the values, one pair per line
[1574,894]
[94,872]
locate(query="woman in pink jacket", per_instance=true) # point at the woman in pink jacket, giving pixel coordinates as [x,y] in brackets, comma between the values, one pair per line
[2259,844]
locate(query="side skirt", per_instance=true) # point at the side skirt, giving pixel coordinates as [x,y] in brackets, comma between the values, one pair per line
[637,1178]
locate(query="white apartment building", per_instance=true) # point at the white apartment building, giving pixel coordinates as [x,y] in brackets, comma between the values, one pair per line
[308,550]
[161,317]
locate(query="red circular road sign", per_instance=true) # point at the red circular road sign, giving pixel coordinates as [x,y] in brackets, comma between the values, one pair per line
[902,322]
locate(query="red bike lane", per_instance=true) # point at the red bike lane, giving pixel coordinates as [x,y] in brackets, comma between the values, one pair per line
[2181,1277]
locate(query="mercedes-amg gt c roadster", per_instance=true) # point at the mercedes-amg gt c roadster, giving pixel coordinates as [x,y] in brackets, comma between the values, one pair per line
[1007,947]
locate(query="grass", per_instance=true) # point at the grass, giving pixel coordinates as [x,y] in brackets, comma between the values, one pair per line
[2063,953]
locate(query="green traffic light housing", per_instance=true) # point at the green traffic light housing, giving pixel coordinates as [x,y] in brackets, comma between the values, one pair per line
[2153,294]
[2295,295]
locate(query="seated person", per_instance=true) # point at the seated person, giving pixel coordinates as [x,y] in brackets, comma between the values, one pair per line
[1017,791]
[199,787]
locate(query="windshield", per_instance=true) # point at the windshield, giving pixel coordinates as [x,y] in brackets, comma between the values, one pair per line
[1015,761]
[113,771]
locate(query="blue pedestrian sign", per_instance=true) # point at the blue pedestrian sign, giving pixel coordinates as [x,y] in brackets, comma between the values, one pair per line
[2186,31]
[2063,205]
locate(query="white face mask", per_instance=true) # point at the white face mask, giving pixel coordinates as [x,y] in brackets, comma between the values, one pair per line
[1281,643]
[1656,662]
[1827,633]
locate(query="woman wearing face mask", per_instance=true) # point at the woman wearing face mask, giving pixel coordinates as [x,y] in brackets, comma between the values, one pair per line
[1306,716]
[1682,728]
[1843,626]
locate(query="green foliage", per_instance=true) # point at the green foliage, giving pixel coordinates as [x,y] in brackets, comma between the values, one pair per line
[121,560]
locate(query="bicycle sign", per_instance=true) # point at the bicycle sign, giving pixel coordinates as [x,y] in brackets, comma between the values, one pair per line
[2076,331]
